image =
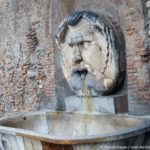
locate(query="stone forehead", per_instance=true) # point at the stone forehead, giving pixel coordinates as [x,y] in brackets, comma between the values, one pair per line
[79,31]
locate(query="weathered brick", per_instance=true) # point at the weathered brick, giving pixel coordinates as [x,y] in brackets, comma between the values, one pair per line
[132,70]
[138,64]
[143,53]
[145,59]
[139,44]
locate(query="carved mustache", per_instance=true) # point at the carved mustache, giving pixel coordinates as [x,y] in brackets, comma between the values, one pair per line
[93,86]
[82,68]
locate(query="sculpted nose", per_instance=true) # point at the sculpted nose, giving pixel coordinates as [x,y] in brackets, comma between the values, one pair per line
[77,55]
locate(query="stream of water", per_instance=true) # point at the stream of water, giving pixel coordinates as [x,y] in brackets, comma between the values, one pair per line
[86,99]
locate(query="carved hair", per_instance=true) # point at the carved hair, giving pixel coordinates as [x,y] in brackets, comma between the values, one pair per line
[95,21]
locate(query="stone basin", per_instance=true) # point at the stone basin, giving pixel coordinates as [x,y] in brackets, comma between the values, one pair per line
[63,130]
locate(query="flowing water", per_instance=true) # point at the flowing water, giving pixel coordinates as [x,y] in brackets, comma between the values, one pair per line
[87,105]
[86,99]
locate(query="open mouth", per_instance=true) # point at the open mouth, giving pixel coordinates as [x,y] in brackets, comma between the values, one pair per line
[80,72]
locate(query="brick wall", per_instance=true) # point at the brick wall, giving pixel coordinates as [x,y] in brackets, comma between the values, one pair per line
[27,71]
[138,58]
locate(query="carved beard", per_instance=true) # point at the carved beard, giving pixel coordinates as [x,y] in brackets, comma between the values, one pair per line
[84,83]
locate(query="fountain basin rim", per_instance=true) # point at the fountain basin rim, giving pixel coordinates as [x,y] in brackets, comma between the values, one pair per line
[129,132]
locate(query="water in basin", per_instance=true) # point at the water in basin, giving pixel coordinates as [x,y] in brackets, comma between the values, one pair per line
[68,124]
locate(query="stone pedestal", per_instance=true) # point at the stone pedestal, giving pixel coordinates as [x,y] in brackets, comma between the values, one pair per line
[111,104]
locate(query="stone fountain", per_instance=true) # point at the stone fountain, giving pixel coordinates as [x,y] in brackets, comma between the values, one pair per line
[93,62]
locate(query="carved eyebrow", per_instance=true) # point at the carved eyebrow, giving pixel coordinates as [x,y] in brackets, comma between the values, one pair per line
[76,39]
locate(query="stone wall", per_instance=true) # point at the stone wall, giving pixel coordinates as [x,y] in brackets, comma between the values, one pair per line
[26,56]
[30,70]
[138,57]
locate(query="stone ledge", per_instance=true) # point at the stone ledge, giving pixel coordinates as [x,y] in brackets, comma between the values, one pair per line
[111,104]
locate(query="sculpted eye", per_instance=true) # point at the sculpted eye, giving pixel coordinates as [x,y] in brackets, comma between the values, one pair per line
[70,45]
[80,44]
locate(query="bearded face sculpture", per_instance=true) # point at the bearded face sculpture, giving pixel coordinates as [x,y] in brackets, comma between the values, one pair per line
[92,53]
